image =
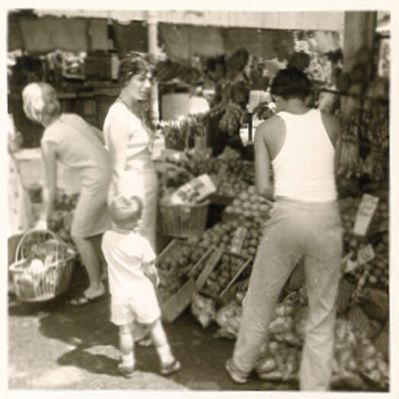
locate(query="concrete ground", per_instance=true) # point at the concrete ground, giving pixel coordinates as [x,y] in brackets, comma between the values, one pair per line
[56,346]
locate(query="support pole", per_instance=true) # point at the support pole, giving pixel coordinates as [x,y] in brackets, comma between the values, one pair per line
[360,31]
[152,31]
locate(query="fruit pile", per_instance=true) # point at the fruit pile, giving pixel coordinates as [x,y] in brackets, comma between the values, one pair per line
[174,266]
[221,236]
[225,270]
[248,204]
[230,186]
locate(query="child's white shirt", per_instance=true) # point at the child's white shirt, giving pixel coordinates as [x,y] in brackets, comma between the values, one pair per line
[127,254]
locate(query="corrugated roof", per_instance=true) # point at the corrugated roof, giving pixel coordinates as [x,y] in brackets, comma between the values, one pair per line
[261,20]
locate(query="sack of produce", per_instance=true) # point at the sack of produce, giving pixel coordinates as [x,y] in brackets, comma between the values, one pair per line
[229,317]
[203,309]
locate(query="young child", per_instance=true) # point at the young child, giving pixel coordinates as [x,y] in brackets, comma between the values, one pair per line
[132,276]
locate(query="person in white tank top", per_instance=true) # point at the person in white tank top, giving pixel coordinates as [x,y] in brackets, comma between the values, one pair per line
[299,146]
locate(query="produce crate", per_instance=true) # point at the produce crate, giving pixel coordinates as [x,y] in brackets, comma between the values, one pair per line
[175,304]
[183,221]
[240,264]
[179,246]
[237,287]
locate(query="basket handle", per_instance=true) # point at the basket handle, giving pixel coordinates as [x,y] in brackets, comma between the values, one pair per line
[28,232]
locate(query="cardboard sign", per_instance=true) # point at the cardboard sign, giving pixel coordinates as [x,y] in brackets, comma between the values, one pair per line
[365,213]
[351,265]
[238,240]
[194,191]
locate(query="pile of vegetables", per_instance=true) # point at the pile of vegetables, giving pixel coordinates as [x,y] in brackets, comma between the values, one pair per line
[180,135]
[357,363]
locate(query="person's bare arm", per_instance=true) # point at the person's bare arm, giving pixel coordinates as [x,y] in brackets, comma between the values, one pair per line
[333,128]
[263,179]
[50,184]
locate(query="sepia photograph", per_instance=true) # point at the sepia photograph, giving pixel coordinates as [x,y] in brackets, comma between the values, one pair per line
[198,199]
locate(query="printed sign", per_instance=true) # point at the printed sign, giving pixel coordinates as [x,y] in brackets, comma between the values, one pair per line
[194,191]
[238,240]
[365,213]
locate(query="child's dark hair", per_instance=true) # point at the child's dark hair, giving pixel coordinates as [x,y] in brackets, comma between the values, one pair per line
[291,83]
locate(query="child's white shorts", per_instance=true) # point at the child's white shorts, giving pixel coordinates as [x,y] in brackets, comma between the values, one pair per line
[141,308]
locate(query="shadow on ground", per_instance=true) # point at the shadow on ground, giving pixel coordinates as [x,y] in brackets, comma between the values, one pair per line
[90,343]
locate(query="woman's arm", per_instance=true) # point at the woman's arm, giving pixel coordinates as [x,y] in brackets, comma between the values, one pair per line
[50,185]
[117,141]
[263,179]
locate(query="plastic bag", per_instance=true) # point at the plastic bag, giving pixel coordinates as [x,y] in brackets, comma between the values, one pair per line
[203,309]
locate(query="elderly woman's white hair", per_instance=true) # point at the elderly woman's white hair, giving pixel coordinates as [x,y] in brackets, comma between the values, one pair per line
[40,102]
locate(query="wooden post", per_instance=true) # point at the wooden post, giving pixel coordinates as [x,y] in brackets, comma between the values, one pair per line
[360,31]
[152,30]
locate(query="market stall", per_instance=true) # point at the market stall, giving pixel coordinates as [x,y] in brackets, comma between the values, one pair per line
[210,215]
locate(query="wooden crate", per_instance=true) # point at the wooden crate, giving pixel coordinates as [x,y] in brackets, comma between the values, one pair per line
[173,306]
[220,296]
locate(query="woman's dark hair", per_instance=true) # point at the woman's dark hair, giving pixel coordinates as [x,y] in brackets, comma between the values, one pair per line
[291,83]
[133,64]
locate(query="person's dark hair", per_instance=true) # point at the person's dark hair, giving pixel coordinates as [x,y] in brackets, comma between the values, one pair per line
[291,83]
[133,64]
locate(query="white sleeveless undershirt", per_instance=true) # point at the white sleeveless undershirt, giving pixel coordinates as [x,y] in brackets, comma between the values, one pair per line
[304,167]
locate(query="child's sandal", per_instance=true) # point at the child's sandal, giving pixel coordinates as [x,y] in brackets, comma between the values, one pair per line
[126,371]
[167,369]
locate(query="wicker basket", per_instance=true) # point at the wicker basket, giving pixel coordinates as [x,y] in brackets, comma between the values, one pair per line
[183,221]
[48,281]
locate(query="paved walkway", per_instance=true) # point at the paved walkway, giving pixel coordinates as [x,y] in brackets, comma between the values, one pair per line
[56,346]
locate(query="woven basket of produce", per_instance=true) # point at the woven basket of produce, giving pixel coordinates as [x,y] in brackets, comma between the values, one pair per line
[183,220]
[43,266]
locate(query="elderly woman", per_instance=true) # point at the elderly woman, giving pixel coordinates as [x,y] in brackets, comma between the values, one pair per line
[129,140]
[68,139]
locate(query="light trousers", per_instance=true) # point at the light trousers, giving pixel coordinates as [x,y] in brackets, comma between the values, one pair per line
[295,230]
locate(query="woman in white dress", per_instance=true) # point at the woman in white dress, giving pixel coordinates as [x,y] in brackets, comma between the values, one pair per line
[130,140]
